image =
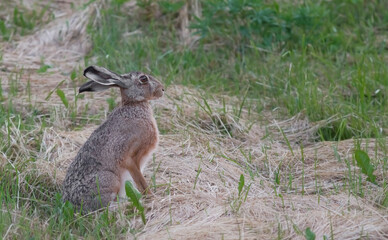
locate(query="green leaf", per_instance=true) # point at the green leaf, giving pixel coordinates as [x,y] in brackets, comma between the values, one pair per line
[43,68]
[135,197]
[241,184]
[309,234]
[363,161]
[62,96]
[73,75]
[277,177]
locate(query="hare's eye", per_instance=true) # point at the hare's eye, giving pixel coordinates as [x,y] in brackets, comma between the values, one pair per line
[143,79]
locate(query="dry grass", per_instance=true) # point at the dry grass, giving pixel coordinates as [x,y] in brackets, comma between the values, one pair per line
[198,164]
[180,211]
[61,43]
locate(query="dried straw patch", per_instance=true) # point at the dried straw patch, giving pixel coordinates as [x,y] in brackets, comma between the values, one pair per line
[206,210]
[180,211]
[187,146]
[61,43]
[195,150]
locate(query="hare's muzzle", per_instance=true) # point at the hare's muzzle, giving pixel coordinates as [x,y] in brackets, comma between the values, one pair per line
[158,92]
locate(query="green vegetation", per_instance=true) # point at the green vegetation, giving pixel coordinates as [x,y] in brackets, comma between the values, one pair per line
[243,191]
[324,58]
[363,161]
[23,20]
[135,197]
[309,234]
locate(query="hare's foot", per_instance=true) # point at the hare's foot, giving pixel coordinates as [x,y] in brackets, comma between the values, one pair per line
[139,179]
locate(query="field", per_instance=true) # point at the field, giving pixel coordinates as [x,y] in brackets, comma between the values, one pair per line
[273,125]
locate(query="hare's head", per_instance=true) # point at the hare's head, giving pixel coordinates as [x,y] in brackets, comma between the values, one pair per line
[135,86]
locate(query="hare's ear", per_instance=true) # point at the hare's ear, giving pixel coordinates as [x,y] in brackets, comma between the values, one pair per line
[101,79]
[92,86]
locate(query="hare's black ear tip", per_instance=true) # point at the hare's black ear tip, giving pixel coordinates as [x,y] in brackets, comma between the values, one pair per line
[84,89]
[88,69]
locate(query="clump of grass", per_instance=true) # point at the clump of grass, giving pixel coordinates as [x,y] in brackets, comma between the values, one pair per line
[22,21]
[31,197]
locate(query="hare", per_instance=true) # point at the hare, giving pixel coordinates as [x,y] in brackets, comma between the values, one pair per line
[119,149]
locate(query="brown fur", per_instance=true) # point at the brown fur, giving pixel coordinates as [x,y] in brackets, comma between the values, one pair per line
[122,143]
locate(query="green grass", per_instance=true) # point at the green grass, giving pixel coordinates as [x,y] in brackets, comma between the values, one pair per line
[324,58]
[31,205]
[23,20]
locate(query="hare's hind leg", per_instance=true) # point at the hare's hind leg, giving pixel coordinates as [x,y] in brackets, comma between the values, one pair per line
[106,187]
[139,179]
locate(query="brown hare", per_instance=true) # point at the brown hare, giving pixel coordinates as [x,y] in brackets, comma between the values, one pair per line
[119,149]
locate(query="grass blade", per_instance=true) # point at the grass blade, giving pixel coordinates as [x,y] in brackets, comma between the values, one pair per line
[286,139]
[62,96]
[52,91]
[241,184]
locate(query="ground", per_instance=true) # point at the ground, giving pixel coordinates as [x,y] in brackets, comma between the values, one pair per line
[222,170]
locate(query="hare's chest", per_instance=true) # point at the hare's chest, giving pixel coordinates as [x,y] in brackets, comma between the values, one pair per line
[143,145]
[150,144]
